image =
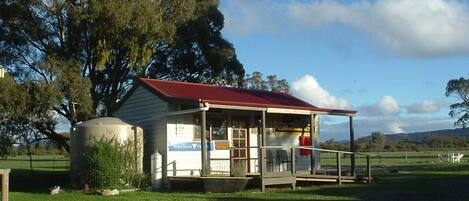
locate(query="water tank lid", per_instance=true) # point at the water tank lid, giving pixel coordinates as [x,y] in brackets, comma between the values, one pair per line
[103,121]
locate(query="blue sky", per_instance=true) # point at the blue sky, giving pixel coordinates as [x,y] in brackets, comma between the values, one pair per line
[390,60]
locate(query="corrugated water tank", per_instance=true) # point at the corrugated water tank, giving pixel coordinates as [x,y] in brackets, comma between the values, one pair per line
[84,134]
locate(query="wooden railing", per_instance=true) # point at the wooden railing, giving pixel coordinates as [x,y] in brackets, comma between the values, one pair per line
[292,163]
[338,161]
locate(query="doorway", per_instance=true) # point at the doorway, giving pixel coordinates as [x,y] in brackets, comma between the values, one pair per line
[240,139]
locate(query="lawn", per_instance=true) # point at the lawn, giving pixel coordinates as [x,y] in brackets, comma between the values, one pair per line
[39,162]
[417,180]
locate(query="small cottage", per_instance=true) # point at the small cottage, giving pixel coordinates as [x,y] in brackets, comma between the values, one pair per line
[201,129]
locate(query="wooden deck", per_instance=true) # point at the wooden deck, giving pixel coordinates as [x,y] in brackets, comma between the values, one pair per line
[255,180]
[330,178]
[306,177]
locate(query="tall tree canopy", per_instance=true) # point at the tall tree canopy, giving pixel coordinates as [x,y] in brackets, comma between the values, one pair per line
[460,89]
[88,53]
[25,112]
[199,53]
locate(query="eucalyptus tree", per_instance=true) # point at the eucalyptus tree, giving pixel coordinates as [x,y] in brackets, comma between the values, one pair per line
[89,53]
[459,88]
[199,53]
[272,83]
[25,114]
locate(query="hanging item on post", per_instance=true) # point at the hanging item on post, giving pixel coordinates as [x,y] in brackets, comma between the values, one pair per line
[305,141]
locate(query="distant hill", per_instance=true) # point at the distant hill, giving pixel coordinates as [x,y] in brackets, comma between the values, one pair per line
[419,136]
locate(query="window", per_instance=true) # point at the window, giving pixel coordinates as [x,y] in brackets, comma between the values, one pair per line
[217,128]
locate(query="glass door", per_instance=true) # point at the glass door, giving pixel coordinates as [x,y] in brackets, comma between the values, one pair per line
[240,143]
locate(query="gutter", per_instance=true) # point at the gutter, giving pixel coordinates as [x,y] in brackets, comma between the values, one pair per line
[205,107]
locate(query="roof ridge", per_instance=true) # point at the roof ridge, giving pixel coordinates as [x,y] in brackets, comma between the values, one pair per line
[214,85]
[181,82]
[177,89]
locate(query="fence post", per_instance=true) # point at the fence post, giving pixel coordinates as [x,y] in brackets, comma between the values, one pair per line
[353,169]
[174,168]
[406,156]
[5,182]
[368,167]
[339,170]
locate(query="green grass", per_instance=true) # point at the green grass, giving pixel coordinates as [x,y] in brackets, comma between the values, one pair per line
[40,162]
[420,179]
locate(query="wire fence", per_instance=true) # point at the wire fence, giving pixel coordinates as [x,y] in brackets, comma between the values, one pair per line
[37,162]
[403,158]
[380,159]
[280,160]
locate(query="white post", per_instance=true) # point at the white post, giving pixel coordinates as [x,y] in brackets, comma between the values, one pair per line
[5,174]
[156,170]
[2,72]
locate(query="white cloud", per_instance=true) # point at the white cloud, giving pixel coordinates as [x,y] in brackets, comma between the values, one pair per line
[308,89]
[417,28]
[385,115]
[386,106]
[395,127]
[425,106]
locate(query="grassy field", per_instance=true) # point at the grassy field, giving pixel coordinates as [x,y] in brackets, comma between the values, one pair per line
[39,162]
[421,177]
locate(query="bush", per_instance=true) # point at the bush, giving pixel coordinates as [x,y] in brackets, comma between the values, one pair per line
[132,164]
[112,164]
[105,164]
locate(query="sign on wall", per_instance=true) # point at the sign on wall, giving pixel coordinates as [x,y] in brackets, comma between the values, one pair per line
[222,144]
[190,146]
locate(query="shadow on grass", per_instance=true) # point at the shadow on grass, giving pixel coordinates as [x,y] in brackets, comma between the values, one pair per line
[413,182]
[416,183]
[38,181]
[432,183]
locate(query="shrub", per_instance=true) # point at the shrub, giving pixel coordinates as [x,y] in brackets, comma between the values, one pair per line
[132,166]
[112,164]
[105,164]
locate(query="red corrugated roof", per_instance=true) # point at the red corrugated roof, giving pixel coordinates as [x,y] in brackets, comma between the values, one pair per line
[230,96]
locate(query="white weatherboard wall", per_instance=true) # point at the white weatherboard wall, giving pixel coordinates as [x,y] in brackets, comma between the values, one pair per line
[185,150]
[146,109]
[180,129]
